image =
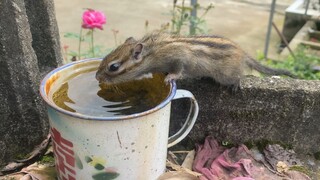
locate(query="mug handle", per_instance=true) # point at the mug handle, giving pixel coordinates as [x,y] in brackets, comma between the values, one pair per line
[191,119]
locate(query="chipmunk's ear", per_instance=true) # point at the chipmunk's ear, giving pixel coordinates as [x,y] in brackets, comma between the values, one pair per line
[130,40]
[137,51]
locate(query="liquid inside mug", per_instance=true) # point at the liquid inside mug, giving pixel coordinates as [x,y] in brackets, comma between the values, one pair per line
[126,147]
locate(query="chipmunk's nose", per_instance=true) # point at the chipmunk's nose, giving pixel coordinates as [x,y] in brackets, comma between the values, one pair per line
[103,78]
[99,76]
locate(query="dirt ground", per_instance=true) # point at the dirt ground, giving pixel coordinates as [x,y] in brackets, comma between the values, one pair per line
[243,21]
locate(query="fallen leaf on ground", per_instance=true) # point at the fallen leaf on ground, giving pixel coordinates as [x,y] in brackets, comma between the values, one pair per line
[275,153]
[282,167]
[34,171]
[34,156]
[188,161]
[182,169]
[177,175]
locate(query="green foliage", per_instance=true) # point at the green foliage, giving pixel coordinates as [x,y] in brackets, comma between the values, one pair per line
[47,159]
[317,155]
[263,143]
[22,156]
[302,65]
[260,55]
[260,144]
[71,35]
[301,169]
[86,40]
[181,17]
[200,26]
[227,144]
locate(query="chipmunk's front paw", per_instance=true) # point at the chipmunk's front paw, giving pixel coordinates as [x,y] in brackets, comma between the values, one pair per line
[171,77]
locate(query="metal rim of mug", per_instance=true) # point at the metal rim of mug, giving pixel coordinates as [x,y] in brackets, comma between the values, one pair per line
[172,92]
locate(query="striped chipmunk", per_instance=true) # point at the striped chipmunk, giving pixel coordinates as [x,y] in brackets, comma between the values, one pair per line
[178,57]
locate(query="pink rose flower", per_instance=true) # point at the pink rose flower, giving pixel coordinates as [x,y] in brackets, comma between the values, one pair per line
[93,19]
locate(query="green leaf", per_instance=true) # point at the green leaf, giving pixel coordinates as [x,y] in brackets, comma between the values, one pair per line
[302,65]
[184,8]
[71,35]
[89,33]
[86,38]
[72,53]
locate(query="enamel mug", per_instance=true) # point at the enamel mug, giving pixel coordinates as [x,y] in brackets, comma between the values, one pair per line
[118,147]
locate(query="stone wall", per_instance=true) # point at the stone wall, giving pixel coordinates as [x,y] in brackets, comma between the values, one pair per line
[273,109]
[29,48]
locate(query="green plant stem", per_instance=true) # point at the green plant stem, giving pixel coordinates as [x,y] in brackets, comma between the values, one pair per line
[173,16]
[66,54]
[115,38]
[92,44]
[180,23]
[79,45]
[206,11]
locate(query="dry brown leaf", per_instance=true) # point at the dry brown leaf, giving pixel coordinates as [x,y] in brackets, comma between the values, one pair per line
[34,155]
[175,175]
[275,153]
[296,175]
[282,167]
[172,158]
[188,161]
[12,177]
[12,166]
[40,171]
[182,169]
[34,171]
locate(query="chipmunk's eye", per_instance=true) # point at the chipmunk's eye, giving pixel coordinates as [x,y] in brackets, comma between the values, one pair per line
[114,67]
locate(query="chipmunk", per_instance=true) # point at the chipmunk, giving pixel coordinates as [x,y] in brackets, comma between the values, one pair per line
[180,56]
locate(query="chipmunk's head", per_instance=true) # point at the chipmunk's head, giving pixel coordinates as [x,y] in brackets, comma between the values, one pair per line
[122,64]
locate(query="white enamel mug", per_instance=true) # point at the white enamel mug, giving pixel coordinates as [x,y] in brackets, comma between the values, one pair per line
[120,147]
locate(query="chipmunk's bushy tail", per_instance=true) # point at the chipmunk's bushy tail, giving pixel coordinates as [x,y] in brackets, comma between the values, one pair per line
[267,70]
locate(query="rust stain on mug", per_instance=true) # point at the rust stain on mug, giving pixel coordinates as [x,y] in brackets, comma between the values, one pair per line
[50,81]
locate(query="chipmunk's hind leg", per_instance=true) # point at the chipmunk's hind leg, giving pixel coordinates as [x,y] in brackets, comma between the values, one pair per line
[234,88]
[231,82]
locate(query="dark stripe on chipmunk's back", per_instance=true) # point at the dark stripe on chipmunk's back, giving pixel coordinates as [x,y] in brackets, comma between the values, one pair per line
[212,55]
[208,36]
[209,42]
[197,37]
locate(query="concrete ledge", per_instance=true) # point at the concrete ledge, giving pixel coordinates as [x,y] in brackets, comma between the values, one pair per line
[279,110]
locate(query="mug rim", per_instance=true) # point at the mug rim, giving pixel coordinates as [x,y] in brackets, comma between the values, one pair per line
[44,95]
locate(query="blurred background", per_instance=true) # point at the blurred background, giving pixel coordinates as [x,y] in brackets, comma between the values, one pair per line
[246,22]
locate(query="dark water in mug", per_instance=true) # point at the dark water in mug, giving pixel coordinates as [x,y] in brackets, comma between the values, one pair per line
[84,95]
